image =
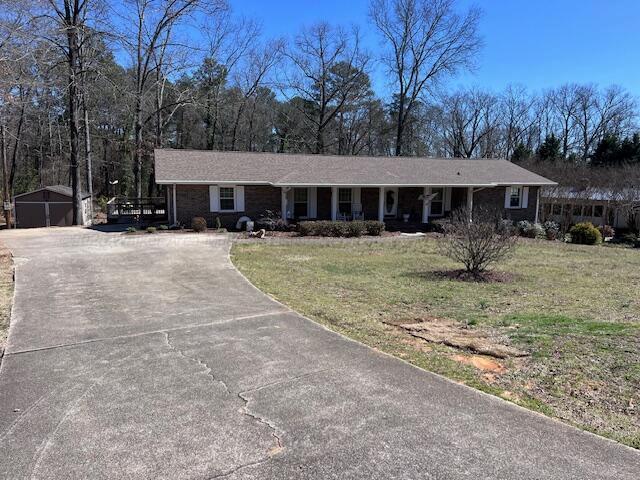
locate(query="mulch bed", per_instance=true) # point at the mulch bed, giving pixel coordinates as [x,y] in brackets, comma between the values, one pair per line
[460,275]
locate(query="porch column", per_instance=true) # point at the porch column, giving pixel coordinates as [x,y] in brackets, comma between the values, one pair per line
[174,202]
[537,205]
[381,205]
[426,203]
[334,203]
[470,202]
[283,202]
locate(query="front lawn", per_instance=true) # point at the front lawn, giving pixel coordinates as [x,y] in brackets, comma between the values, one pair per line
[576,309]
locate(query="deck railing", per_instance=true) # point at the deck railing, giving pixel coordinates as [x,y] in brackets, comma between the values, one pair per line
[132,209]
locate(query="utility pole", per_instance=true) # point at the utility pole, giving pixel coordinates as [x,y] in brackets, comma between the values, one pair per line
[6,198]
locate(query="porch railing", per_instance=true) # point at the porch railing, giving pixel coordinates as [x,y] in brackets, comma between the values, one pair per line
[149,208]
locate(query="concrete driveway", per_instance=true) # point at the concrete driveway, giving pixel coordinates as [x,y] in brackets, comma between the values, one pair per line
[151,357]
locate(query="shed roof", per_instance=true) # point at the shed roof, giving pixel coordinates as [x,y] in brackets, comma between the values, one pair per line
[61,189]
[278,169]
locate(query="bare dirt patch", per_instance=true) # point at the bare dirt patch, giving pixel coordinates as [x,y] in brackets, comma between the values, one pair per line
[460,275]
[481,363]
[457,335]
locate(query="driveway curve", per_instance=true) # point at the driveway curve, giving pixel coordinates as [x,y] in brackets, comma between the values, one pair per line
[151,357]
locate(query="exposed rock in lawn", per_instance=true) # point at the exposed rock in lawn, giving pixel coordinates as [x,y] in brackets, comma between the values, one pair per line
[456,335]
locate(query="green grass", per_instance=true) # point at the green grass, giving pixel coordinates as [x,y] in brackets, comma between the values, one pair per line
[575,308]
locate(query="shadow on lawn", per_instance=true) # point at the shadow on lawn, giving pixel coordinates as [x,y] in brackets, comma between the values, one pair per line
[460,275]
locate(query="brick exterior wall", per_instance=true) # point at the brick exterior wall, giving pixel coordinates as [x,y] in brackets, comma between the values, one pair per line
[193,201]
[494,198]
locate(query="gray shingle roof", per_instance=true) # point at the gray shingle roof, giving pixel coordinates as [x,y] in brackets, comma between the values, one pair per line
[61,189]
[592,194]
[196,166]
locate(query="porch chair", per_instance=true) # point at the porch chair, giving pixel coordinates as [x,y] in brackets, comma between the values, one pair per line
[342,217]
[356,211]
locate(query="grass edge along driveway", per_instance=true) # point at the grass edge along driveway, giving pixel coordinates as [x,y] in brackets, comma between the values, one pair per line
[6,293]
[574,308]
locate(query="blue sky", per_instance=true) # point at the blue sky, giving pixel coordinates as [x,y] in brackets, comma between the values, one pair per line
[535,43]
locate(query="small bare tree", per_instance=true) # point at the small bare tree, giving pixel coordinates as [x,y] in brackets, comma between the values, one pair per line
[479,243]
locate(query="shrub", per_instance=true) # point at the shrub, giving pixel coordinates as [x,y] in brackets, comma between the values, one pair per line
[506,225]
[477,244]
[151,229]
[530,230]
[102,203]
[629,238]
[199,224]
[272,220]
[357,228]
[163,227]
[374,227]
[306,229]
[636,244]
[585,233]
[607,231]
[326,228]
[131,230]
[336,229]
[551,229]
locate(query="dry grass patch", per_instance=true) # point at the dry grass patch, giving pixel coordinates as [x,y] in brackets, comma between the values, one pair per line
[6,293]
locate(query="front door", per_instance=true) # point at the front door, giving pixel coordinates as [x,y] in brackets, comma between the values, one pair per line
[390,202]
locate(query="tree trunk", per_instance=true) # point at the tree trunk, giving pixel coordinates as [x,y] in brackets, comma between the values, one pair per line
[400,126]
[88,153]
[6,195]
[16,147]
[137,166]
[74,171]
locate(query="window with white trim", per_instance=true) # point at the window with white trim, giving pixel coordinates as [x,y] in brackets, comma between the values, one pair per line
[437,202]
[515,197]
[227,199]
[345,197]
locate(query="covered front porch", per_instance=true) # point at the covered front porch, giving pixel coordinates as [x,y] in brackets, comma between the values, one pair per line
[389,204]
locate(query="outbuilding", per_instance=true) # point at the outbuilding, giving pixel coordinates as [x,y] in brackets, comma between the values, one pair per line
[50,206]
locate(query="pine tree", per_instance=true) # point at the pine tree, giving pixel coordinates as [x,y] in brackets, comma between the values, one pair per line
[550,148]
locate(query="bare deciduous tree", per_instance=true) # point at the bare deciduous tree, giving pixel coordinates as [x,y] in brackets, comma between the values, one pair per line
[147,34]
[326,66]
[424,41]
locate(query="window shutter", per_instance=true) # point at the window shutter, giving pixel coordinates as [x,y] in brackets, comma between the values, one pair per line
[214,198]
[525,197]
[507,197]
[239,192]
[313,202]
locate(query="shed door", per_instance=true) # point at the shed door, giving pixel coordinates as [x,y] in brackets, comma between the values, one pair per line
[60,214]
[31,215]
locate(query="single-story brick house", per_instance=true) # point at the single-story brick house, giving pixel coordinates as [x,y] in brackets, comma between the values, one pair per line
[231,185]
